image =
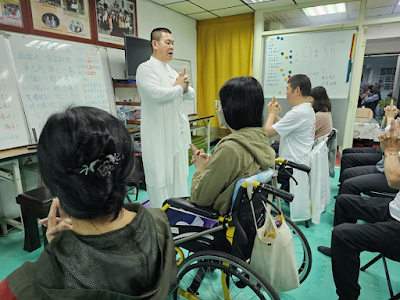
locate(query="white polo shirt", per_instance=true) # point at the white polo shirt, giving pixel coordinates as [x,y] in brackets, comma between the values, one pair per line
[394,207]
[297,131]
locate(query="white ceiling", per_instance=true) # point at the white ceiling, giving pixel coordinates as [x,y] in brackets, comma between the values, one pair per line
[297,18]
[208,9]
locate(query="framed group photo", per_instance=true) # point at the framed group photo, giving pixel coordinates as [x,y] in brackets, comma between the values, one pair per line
[115,19]
[61,17]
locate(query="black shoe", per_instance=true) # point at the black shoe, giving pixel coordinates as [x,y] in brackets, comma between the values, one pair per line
[325,250]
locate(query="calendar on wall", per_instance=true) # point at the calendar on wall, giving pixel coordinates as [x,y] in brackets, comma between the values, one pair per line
[386,78]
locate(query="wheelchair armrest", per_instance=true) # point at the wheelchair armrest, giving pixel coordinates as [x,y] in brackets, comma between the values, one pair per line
[183,203]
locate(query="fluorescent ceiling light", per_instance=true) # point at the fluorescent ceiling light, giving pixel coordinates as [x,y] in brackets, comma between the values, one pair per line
[325,9]
[321,10]
[310,11]
[256,1]
[331,9]
[341,7]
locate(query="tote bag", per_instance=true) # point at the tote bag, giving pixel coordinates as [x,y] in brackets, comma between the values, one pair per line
[273,253]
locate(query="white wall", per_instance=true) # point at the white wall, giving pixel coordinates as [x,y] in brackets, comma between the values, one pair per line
[383,39]
[383,31]
[383,46]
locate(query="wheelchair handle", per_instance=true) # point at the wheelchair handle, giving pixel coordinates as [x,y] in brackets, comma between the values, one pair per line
[292,164]
[278,192]
[273,205]
[241,234]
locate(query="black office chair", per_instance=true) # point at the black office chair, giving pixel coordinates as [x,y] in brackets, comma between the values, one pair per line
[383,257]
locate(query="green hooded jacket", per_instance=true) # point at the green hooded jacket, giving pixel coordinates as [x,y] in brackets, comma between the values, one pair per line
[243,153]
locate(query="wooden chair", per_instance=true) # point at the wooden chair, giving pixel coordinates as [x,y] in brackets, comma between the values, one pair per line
[364,113]
[35,205]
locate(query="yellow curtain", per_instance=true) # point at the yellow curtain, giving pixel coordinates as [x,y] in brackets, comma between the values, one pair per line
[224,50]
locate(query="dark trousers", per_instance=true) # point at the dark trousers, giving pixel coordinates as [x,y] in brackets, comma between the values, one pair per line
[355,157]
[275,146]
[381,234]
[284,177]
[358,180]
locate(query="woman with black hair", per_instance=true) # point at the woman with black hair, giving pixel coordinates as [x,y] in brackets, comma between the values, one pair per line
[322,107]
[243,153]
[99,248]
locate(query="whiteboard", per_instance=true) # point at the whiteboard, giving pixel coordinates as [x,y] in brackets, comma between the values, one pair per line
[177,65]
[53,75]
[325,57]
[13,131]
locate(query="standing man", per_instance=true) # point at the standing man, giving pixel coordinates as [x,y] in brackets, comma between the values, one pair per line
[297,127]
[165,132]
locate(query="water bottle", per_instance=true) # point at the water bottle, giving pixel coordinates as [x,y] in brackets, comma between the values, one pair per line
[126,110]
[122,115]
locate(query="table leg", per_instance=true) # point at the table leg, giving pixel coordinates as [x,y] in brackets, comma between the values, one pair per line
[208,135]
[3,226]
[17,177]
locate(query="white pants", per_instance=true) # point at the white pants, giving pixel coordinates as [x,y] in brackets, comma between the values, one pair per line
[179,186]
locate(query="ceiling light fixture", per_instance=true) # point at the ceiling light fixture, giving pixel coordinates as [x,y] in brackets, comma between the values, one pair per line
[325,10]
[310,11]
[256,1]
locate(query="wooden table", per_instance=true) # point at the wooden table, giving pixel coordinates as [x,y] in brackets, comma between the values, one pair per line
[205,119]
[11,157]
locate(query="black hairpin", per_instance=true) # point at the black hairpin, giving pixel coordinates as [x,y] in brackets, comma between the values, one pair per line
[101,168]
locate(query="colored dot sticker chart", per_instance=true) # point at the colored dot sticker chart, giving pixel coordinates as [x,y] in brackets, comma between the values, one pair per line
[325,57]
[13,132]
[54,75]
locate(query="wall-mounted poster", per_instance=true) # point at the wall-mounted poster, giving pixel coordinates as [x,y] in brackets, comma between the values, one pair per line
[10,13]
[115,18]
[65,17]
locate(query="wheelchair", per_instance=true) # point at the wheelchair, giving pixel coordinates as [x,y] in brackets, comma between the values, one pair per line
[219,248]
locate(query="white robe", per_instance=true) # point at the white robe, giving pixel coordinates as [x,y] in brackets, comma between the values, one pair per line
[165,133]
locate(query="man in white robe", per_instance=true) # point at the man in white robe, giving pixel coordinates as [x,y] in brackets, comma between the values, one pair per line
[165,133]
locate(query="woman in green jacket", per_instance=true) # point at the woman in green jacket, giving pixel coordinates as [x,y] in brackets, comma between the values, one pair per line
[243,153]
[99,248]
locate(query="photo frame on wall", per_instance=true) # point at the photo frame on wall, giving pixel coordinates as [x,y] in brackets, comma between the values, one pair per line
[65,19]
[12,15]
[114,20]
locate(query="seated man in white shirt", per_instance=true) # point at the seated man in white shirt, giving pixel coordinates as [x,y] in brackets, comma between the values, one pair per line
[380,234]
[297,127]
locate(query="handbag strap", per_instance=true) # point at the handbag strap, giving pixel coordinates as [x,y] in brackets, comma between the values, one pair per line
[254,214]
[278,200]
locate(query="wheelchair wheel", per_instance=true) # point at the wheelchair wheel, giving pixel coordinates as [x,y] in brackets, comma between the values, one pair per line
[200,275]
[301,248]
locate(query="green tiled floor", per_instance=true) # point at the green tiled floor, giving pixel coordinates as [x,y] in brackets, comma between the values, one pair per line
[319,285]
